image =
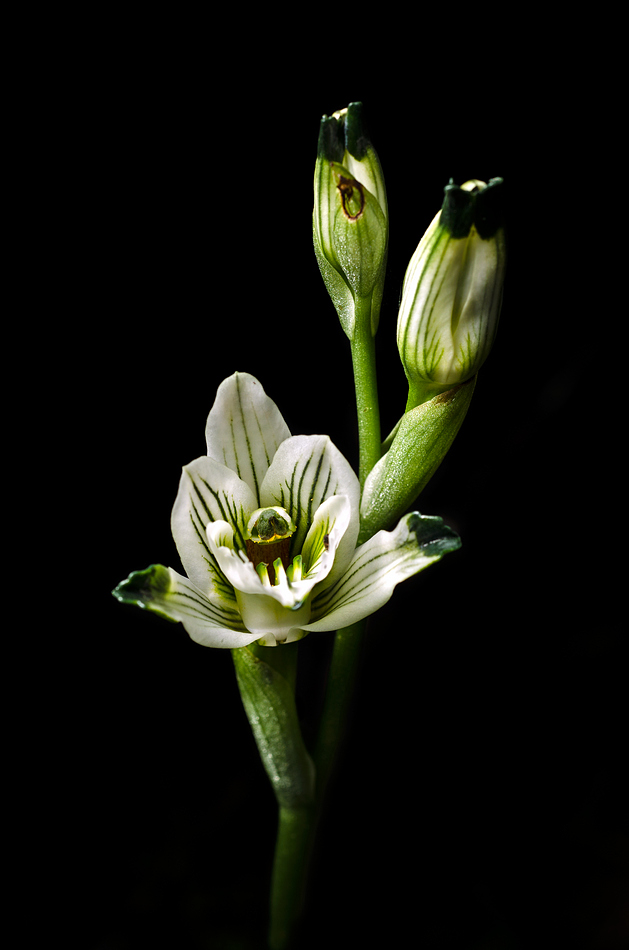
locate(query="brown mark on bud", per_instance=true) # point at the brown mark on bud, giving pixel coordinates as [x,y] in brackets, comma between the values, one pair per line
[347,188]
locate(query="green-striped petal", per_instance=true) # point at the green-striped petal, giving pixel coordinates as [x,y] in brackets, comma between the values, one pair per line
[208,491]
[324,538]
[244,429]
[306,470]
[165,592]
[378,566]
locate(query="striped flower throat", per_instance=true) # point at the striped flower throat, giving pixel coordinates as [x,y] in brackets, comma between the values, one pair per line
[268,539]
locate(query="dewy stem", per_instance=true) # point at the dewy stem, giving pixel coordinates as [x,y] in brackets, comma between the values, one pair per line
[268,692]
[295,838]
[366,385]
[297,826]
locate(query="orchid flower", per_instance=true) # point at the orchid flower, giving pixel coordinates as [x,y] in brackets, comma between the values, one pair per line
[266,526]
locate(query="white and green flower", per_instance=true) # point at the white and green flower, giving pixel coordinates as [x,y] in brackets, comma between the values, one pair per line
[266,526]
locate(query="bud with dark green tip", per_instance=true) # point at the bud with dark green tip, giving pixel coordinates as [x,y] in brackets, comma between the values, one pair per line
[452,291]
[350,220]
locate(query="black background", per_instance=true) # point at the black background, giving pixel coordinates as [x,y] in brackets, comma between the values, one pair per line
[479,799]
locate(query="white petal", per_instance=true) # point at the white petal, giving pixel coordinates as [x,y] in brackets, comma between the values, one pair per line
[324,538]
[244,429]
[378,566]
[165,592]
[306,470]
[208,492]
[271,622]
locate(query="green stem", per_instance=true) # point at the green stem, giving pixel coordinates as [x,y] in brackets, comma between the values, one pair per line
[297,826]
[365,382]
[419,393]
[338,697]
[295,838]
[283,660]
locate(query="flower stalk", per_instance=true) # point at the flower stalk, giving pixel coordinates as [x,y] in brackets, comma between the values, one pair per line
[363,351]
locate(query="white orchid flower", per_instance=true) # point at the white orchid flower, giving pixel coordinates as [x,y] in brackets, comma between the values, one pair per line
[266,526]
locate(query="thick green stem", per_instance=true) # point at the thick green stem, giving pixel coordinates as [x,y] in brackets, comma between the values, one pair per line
[295,838]
[297,826]
[365,382]
[283,659]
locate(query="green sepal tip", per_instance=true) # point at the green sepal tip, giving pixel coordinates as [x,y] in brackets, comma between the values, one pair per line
[481,207]
[434,536]
[143,588]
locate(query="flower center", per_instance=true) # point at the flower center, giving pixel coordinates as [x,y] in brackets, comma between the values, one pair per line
[268,542]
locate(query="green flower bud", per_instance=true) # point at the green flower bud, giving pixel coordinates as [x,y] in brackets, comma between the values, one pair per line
[452,291]
[350,220]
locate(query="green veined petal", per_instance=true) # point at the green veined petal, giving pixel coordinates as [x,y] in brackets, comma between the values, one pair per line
[323,540]
[165,592]
[244,429]
[378,566]
[208,491]
[306,470]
